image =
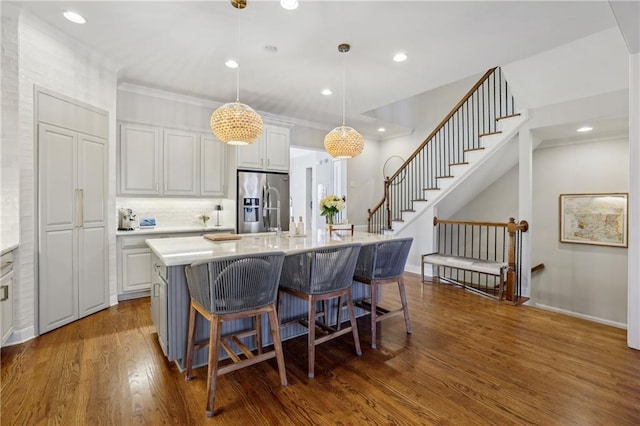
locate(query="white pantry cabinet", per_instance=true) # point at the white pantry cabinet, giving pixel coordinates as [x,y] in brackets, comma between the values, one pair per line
[270,152]
[73,252]
[161,161]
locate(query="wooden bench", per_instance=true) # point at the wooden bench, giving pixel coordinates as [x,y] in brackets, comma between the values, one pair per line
[489,267]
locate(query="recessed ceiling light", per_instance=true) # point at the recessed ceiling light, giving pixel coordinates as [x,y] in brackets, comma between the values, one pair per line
[289,4]
[400,57]
[382,129]
[231,63]
[326,92]
[74,17]
[584,129]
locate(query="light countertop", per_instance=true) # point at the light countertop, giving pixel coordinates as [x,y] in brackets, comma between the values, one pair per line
[176,230]
[186,250]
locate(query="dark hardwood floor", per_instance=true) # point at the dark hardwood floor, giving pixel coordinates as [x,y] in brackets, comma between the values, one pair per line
[469,360]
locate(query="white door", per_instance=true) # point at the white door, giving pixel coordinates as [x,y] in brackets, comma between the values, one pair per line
[180,163]
[59,222]
[135,269]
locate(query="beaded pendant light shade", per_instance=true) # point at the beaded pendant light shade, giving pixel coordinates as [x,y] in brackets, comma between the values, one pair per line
[343,141]
[236,123]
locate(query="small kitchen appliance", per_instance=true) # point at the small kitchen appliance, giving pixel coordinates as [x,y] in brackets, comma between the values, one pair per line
[126,220]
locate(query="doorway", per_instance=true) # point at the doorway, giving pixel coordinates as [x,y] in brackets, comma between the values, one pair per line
[313,175]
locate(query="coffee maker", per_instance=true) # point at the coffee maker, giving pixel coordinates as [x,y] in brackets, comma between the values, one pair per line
[126,220]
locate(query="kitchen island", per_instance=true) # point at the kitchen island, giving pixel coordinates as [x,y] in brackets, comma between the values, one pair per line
[170,296]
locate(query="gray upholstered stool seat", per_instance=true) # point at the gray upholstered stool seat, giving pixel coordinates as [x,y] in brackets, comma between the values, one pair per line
[378,264]
[227,289]
[320,275]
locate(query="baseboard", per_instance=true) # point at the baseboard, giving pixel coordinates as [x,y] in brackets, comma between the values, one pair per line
[21,336]
[582,316]
[113,300]
[413,269]
[133,295]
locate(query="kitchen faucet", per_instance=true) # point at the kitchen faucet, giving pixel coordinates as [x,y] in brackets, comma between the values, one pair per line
[277,208]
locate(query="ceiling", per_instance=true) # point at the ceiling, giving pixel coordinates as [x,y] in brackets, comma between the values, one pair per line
[182,46]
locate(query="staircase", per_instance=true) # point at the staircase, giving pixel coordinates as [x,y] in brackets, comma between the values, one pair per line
[479,127]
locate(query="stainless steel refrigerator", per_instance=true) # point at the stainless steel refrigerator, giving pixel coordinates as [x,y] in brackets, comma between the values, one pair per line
[258,196]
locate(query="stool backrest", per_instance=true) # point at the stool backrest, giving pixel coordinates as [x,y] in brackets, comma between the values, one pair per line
[383,260]
[321,270]
[235,283]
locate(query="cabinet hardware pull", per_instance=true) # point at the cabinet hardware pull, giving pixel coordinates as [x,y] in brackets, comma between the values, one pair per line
[78,205]
[5,291]
[268,162]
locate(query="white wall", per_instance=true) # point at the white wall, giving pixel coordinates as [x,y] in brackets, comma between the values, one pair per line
[48,59]
[10,149]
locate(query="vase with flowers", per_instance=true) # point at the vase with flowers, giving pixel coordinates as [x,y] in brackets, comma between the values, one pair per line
[330,206]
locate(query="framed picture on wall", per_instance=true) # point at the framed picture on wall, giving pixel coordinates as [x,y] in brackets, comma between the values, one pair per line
[598,219]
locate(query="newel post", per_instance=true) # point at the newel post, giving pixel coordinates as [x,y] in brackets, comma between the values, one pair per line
[512,226]
[388,202]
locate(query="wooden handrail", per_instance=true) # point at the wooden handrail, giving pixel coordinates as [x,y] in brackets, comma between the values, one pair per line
[523,225]
[444,121]
[429,138]
[538,267]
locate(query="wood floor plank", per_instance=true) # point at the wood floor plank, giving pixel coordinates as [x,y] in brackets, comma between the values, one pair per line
[470,360]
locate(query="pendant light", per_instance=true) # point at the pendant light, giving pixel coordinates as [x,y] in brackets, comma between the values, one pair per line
[343,142]
[236,123]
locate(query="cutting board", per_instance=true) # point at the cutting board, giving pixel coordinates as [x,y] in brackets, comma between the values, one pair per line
[221,237]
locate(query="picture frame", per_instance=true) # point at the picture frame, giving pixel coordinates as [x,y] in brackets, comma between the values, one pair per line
[596,219]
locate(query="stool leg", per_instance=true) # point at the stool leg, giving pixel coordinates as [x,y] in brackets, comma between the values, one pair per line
[354,325]
[191,341]
[405,308]
[374,314]
[311,339]
[339,313]
[274,325]
[258,327]
[214,344]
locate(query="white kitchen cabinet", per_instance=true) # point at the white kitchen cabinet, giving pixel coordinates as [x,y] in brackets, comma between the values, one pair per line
[161,161]
[139,159]
[180,164]
[6,297]
[213,161]
[269,152]
[73,251]
[135,269]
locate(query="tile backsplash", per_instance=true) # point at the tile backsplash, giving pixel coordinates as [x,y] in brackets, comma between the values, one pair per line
[180,211]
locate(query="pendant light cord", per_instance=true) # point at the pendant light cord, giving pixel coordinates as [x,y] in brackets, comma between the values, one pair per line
[344,85]
[238,56]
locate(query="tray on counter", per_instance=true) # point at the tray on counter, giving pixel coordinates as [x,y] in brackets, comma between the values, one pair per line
[221,237]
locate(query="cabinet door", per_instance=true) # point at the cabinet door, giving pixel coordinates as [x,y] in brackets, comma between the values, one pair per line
[6,306]
[277,148]
[251,156]
[136,275]
[58,229]
[213,160]
[159,301]
[93,253]
[139,160]
[180,163]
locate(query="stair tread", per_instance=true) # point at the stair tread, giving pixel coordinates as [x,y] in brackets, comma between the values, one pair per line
[504,117]
[397,220]
[431,189]
[459,164]
[407,211]
[474,149]
[443,177]
[497,132]
[419,199]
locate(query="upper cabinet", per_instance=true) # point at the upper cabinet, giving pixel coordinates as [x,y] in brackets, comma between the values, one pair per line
[155,160]
[180,165]
[269,152]
[139,159]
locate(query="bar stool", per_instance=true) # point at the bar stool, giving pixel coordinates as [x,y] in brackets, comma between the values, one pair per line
[232,288]
[319,275]
[378,264]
